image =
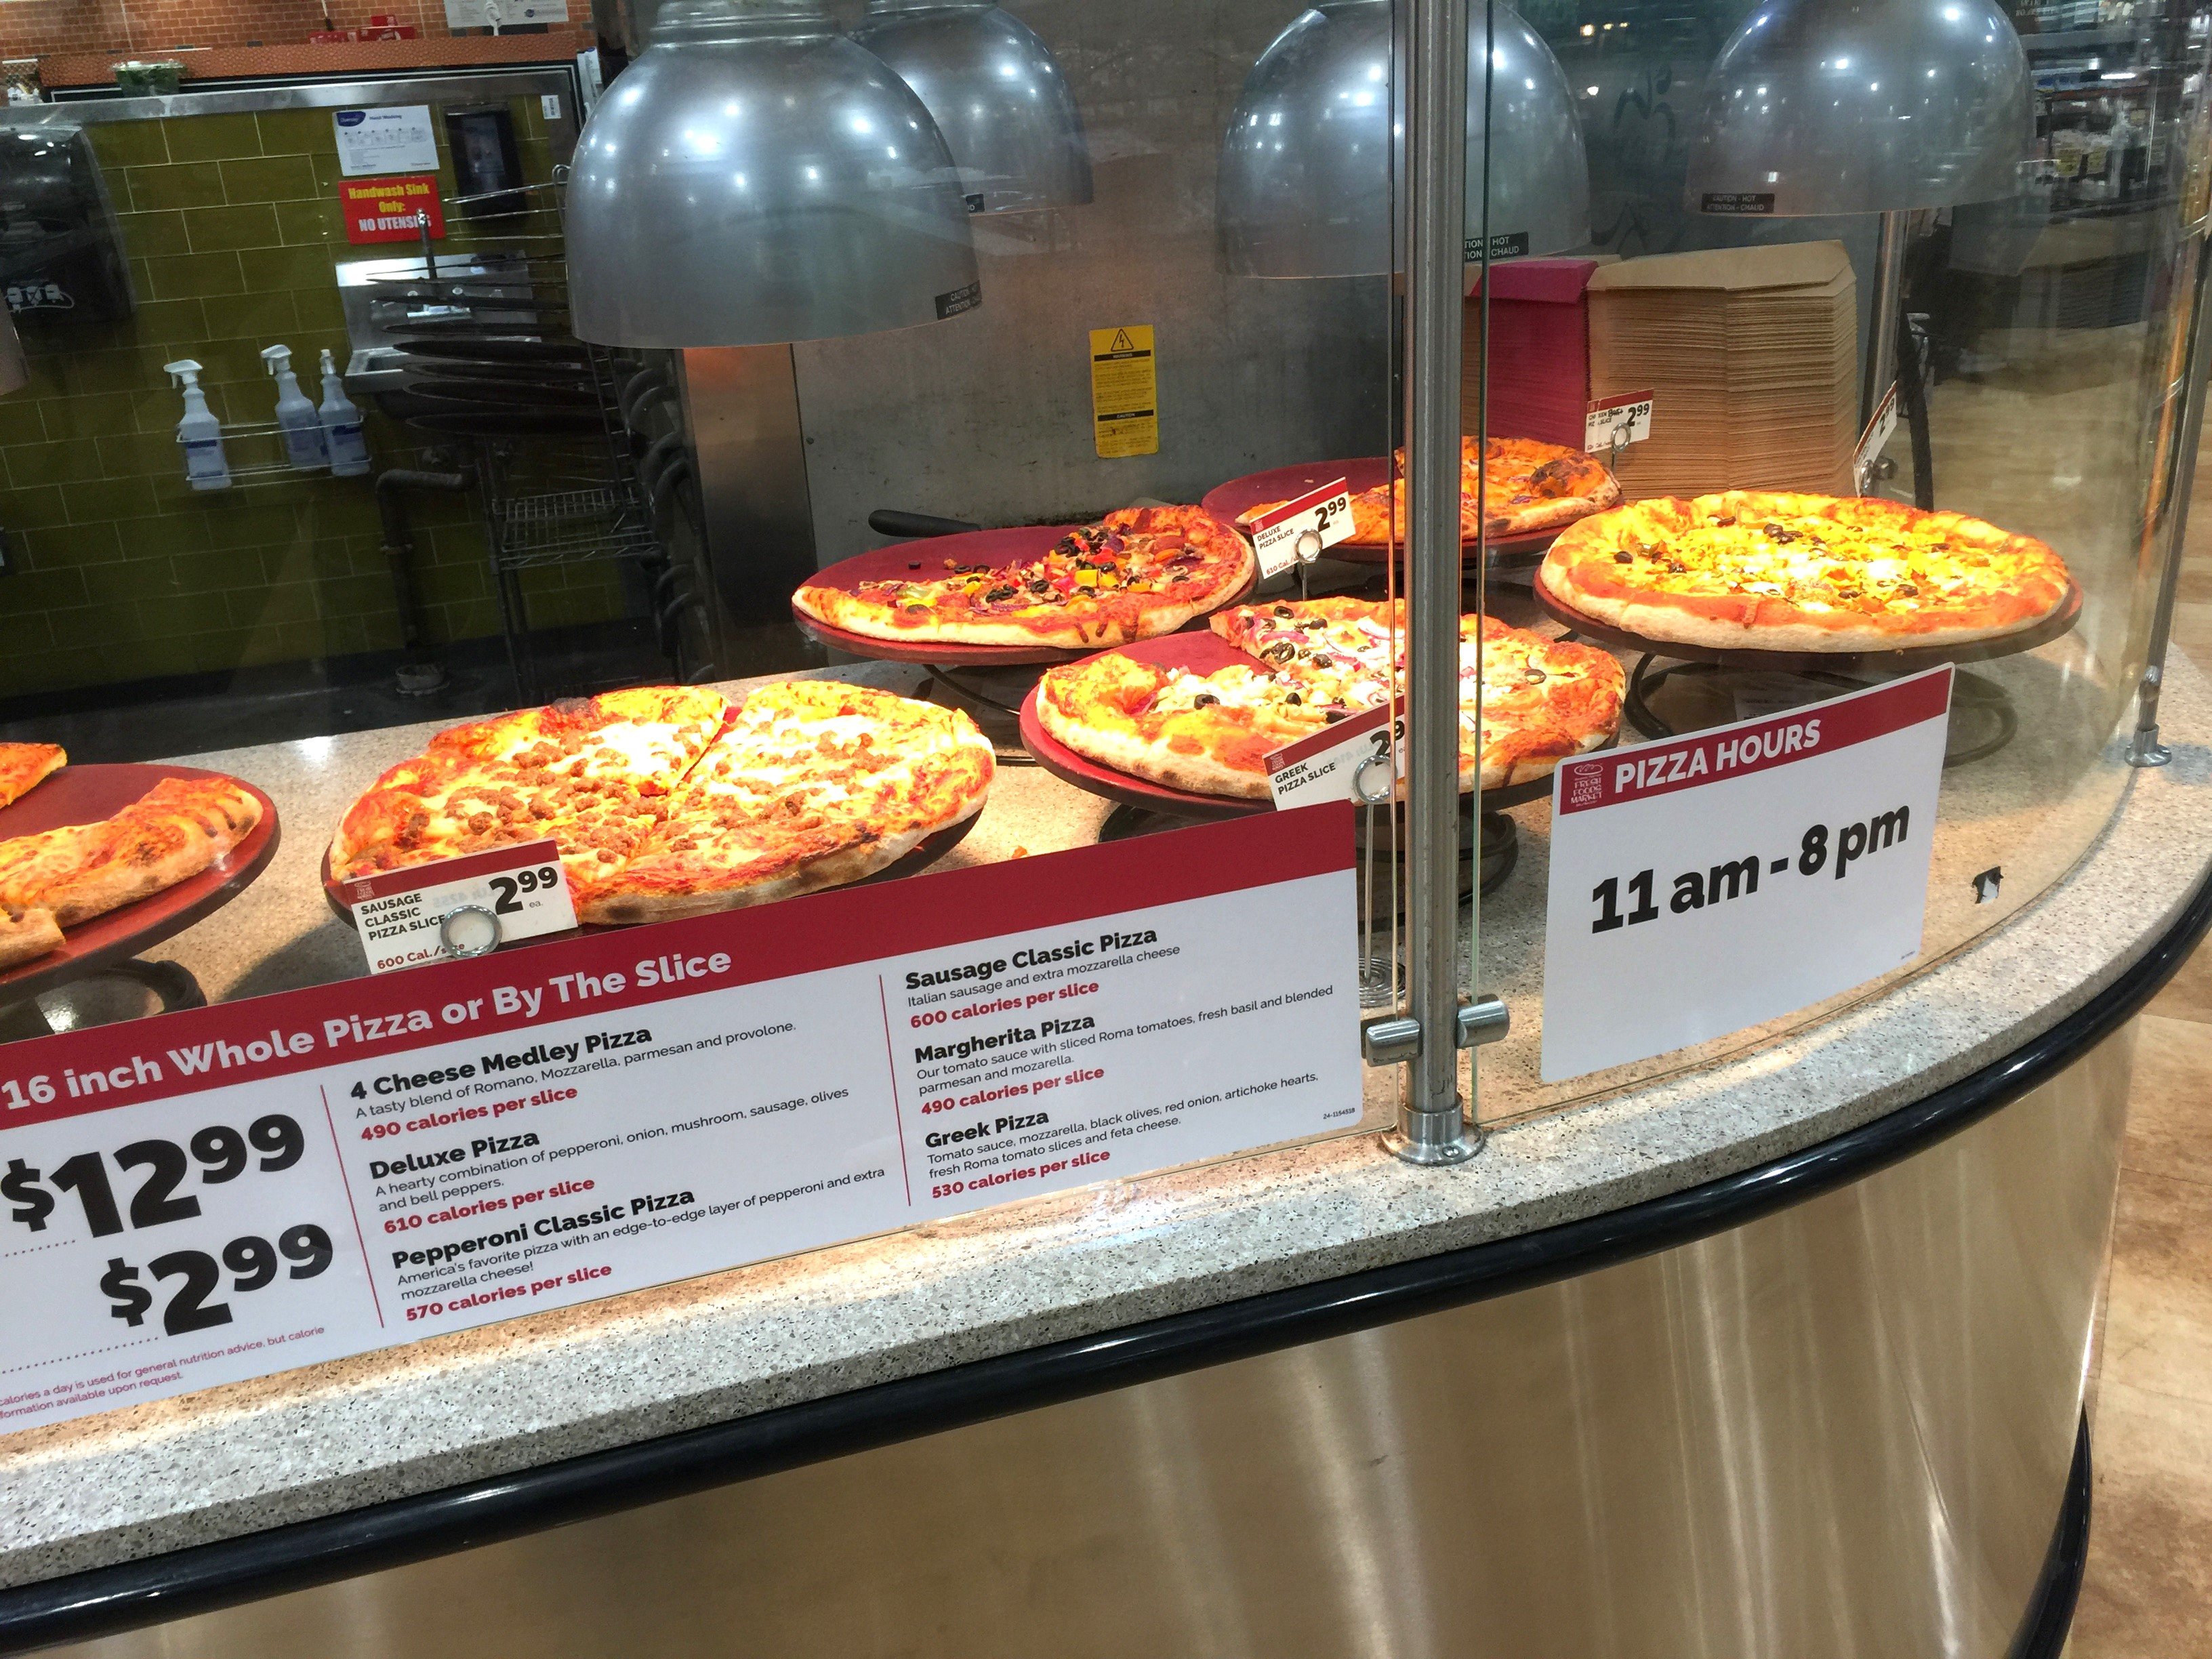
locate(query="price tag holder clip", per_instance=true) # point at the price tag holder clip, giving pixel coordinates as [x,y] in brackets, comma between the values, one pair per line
[1297,532]
[459,907]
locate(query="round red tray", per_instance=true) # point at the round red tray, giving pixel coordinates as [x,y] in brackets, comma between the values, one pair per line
[1202,653]
[1910,659]
[1283,483]
[931,848]
[84,795]
[926,557]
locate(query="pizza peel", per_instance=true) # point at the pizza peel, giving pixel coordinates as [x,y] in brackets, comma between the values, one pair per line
[1202,653]
[85,794]
[930,557]
[1283,483]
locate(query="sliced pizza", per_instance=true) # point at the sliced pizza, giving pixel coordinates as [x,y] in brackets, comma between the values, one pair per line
[24,766]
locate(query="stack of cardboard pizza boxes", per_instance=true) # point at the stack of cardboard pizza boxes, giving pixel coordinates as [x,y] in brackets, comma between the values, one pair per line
[1751,356]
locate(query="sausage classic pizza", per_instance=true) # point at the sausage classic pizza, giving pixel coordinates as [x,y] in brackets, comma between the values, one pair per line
[669,801]
[1314,662]
[59,878]
[1759,570]
[1531,487]
[1137,572]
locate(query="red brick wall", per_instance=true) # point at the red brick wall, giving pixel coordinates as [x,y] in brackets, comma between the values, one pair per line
[35,28]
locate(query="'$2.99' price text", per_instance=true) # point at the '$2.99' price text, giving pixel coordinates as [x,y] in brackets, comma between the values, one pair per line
[1694,889]
[220,1153]
[252,1261]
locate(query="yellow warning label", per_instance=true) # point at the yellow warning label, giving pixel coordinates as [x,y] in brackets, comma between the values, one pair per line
[1125,392]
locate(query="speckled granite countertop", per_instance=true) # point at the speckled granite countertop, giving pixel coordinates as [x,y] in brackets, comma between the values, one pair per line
[508,1396]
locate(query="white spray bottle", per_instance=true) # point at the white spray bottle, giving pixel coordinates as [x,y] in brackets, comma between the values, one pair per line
[206,467]
[295,416]
[342,424]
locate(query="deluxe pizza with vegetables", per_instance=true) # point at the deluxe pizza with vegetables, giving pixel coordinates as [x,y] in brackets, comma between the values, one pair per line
[1763,570]
[670,801]
[1136,574]
[1311,663]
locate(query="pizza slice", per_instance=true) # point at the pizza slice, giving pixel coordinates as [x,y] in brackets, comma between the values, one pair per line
[24,766]
[170,834]
[27,935]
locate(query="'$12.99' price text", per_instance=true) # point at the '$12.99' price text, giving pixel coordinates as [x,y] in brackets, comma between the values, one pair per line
[220,1153]
[1694,889]
[252,1263]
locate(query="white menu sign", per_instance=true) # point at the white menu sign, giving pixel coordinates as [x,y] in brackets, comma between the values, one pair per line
[1708,882]
[237,1190]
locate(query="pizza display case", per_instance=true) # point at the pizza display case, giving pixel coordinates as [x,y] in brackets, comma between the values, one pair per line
[1142,1212]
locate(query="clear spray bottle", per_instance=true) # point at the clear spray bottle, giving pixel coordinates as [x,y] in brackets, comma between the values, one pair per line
[341,419]
[206,467]
[295,416]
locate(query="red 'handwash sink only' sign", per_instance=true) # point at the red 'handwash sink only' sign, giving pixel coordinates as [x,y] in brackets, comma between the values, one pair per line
[1708,882]
[232,1191]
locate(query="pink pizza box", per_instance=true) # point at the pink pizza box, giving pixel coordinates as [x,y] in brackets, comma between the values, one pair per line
[1538,350]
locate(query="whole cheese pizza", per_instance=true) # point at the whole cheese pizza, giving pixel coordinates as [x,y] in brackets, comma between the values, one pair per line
[669,801]
[1767,571]
[1531,487]
[59,878]
[1314,662]
[1135,573]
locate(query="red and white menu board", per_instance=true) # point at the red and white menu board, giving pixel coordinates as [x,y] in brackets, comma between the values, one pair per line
[237,1190]
[1708,882]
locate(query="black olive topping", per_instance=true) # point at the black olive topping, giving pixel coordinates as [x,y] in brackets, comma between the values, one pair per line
[997,593]
[1537,677]
[1281,653]
[1292,697]
[1204,699]
[1623,558]
[1282,611]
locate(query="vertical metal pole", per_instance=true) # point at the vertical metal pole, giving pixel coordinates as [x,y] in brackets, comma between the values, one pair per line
[1887,301]
[2144,749]
[1430,1127]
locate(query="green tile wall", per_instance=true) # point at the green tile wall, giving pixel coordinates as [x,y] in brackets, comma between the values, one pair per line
[125,573]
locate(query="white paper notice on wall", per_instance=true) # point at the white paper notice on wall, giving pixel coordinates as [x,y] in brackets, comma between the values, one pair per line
[1705,883]
[394,138]
[503,14]
[235,1190]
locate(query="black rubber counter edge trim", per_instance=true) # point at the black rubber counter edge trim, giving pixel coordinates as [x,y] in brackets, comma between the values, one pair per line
[2050,1611]
[205,1576]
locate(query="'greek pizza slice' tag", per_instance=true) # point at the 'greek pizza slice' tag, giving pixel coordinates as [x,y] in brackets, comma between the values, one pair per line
[1297,531]
[461,906]
[1329,764]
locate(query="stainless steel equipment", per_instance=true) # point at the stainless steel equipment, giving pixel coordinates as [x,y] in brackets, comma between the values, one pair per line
[997,95]
[755,177]
[1308,158]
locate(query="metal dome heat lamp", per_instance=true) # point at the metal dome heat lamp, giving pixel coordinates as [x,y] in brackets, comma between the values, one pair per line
[1317,138]
[754,177]
[997,96]
[1889,106]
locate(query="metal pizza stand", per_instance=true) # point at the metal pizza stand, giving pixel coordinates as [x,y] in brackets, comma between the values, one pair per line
[1282,483]
[1975,701]
[108,945]
[1142,806]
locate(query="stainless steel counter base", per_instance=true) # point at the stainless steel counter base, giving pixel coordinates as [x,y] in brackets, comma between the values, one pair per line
[1843,1428]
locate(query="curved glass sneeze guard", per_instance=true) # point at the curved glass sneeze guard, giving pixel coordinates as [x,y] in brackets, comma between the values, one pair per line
[2040,361]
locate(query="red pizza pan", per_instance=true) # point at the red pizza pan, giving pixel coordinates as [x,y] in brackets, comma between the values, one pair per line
[1202,653]
[927,558]
[85,794]
[931,848]
[1909,660]
[1283,483]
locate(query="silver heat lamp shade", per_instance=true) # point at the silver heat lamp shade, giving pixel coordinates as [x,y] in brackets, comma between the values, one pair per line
[1308,159]
[997,96]
[754,177]
[1819,106]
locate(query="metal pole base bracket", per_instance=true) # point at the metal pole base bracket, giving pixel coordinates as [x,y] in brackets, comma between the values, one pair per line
[1429,1139]
[2145,749]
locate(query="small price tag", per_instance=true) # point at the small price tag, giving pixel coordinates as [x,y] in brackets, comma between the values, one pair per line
[1328,765]
[1875,440]
[1612,422]
[1297,531]
[461,906]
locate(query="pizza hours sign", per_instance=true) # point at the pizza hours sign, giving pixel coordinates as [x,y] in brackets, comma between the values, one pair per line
[232,1191]
[1708,882]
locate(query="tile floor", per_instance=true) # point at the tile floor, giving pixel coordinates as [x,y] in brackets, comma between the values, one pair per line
[2147,1593]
